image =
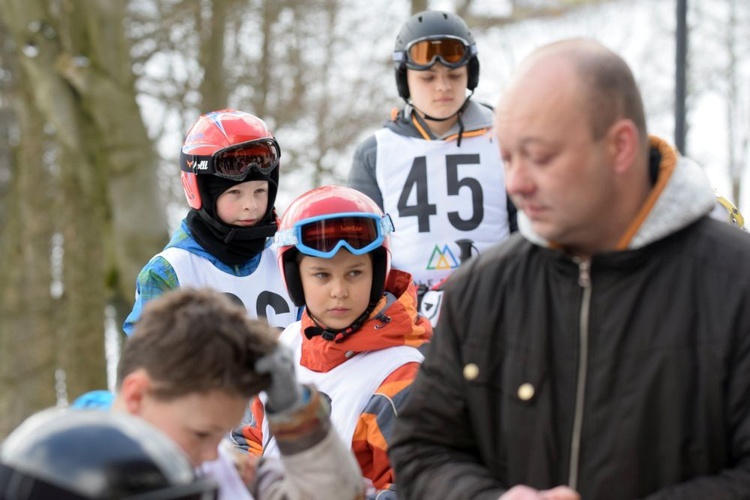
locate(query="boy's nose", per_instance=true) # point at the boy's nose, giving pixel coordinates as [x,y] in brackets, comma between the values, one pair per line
[444,82]
[339,290]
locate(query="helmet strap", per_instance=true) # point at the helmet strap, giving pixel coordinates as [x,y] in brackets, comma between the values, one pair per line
[338,335]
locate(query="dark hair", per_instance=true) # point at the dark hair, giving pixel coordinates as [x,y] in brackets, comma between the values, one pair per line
[196,340]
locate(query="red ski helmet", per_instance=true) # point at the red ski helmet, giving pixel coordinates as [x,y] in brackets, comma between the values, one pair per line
[232,145]
[322,221]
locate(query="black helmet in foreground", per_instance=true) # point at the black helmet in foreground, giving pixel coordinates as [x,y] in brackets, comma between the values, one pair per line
[431,36]
[94,454]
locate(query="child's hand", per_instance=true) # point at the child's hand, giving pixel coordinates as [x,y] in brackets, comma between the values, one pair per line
[247,466]
[285,392]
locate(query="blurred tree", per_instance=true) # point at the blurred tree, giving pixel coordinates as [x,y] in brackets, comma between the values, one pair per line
[719,48]
[76,75]
[522,10]
[213,89]
[318,78]
[27,312]
[84,187]
[8,125]
[420,5]
[736,45]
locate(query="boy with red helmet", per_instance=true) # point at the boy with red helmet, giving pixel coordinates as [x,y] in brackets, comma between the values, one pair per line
[359,334]
[229,165]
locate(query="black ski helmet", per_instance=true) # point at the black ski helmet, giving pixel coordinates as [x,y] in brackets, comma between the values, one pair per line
[432,24]
[94,454]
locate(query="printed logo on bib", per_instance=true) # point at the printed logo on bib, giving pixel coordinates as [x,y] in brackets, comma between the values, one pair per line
[442,259]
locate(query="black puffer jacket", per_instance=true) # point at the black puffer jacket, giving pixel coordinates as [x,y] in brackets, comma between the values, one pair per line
[628,378]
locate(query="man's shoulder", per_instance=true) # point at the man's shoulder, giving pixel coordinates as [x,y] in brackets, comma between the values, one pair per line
[723,245]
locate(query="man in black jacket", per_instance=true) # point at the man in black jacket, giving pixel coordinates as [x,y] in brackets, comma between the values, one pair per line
[605,350]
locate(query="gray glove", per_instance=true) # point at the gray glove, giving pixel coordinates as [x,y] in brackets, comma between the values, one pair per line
[285,393]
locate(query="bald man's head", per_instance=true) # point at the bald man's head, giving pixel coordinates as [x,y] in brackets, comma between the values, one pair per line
[606,86]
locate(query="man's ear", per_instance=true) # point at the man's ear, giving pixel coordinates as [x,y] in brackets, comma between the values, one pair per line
[624,144]
[133,390]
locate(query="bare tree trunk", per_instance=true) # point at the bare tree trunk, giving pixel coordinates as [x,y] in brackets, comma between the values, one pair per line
[269,15]
[120,149]
[27,309]
[418,6]
[736,146]
[75,57]
[213,89]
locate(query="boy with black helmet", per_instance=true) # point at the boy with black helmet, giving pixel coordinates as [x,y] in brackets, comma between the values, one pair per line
[359,335]
[191,367]
[435,166]
[88,454]
[229,165]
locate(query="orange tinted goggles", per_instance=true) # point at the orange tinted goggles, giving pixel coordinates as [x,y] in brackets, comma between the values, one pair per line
[451,52]
[236,162]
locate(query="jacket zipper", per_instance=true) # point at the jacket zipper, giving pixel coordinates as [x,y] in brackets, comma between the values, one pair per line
[584,281]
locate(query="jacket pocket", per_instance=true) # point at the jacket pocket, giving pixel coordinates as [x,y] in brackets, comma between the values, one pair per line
[503,393]
[516,376]
[522,378]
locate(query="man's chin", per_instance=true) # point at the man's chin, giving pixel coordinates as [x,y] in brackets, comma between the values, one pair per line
[546,230]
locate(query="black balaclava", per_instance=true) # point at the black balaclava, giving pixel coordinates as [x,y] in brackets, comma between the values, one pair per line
[232,245]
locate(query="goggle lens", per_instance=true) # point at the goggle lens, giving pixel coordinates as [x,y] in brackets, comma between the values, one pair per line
[453,52]
[234,163]
[325,236]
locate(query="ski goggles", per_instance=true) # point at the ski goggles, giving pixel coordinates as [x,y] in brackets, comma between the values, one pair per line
[325,235]
[237,161]
[423,53]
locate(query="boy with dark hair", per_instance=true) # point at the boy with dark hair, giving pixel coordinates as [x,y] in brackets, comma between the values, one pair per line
[191,367]
[83,455]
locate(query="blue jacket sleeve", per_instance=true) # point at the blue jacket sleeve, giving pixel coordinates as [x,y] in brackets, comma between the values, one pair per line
[155,278]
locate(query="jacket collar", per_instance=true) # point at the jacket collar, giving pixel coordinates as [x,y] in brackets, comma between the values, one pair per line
[394,322]
[477,119]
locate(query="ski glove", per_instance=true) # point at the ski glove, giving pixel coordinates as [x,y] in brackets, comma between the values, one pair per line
[285,393]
